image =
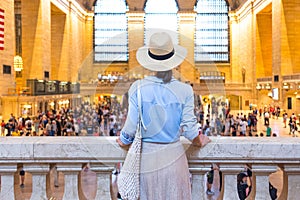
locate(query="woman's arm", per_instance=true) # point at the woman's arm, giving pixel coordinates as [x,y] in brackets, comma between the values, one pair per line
[128,131]
[121,144]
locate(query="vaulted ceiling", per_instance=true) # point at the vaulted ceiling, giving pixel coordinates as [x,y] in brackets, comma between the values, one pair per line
[183,4]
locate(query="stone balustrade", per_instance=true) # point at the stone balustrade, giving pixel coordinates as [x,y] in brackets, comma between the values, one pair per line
[38,155]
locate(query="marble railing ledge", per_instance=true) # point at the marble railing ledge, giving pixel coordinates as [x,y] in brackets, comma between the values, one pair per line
[105,149]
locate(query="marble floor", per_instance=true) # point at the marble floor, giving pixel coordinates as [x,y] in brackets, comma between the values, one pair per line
[89,178]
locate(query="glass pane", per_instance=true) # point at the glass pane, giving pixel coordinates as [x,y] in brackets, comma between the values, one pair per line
[211,36]
[161,14]
[111,38]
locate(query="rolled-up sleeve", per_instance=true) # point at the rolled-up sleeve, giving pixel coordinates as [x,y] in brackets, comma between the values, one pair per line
[189,123]
[127,133]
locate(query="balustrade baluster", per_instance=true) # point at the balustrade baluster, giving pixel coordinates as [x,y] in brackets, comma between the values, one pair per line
[7,172]
[230,172]
[293,180]
[261,180]
[198,181]
[39,173]
[72,185]
[104,175]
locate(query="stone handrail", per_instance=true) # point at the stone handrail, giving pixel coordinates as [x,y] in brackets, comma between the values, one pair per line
[69,154]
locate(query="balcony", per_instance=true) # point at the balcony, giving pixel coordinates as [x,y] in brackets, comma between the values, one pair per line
[121,88]
[39,154]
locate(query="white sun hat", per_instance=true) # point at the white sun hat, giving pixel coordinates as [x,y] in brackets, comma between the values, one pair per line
[161,54]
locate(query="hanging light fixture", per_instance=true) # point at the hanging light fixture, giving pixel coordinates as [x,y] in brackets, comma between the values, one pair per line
[285,86]
[268,86]
[258,86]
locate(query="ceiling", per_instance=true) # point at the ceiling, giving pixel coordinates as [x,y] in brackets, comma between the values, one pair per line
[183,4]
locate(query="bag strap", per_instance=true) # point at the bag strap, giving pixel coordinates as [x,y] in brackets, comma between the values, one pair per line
[139,97]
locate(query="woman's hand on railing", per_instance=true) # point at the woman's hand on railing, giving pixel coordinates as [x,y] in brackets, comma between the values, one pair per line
[201,140]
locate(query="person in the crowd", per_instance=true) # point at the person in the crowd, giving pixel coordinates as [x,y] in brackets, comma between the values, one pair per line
[53,128]
[210,179]
[290,125]
[49,129]
[114,131]
[2,127]
[293,127]
[243,127]
[34,133]
[269,131]
[76,128]
[267,118]
[261,134]
[242,185]
[10,127]
[233,131]
[285,116]
[167,113]
[272,191]
[69,127]
[22,177]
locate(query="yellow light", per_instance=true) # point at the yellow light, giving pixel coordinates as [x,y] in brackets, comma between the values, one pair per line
[18,63]
[27,106]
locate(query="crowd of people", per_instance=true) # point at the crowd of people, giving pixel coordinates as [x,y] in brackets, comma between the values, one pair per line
[107,119]
[85,120]
[225,123]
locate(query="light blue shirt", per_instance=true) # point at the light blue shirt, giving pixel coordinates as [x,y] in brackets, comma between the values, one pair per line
[167,111]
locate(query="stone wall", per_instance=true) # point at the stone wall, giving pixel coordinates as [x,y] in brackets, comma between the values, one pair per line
[7,55]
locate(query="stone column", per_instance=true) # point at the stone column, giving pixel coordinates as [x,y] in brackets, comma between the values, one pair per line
[39,173]
[293,184]
[7,172]
[187,20]
[261,176]
[135,38]
[36,34]
[230,172]
[235,75]
[87,65]
[199,181]
[285,184]
[71,172]
[59,44]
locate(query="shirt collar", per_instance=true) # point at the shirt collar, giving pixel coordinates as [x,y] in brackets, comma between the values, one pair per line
[157,80]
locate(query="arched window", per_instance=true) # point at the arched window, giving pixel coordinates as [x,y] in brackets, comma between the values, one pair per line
[110,37]
[161,14]
[212,31]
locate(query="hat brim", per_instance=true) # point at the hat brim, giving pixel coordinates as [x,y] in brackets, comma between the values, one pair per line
[161,65]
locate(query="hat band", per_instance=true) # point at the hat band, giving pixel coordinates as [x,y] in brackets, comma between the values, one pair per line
[161,57]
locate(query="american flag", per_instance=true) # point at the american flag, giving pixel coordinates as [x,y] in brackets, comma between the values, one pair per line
[1,29]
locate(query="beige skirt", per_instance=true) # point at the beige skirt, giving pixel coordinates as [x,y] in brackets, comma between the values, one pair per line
[164,172]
